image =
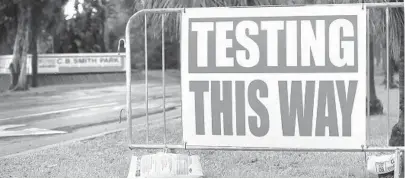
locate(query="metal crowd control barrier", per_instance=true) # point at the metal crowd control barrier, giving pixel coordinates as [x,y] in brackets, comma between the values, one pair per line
[144,12]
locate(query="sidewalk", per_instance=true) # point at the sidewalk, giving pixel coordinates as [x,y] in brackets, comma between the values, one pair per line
[172,76]
[53,89]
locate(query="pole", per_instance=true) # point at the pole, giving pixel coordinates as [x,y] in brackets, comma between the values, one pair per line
[403,56]
[397,163]
[387,16]
[164,77]
[146,81]
[128,81]
[368,77]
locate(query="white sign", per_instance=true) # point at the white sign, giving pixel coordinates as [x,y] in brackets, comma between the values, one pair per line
[5,61]
[71,63]
[381,164]
[280,77]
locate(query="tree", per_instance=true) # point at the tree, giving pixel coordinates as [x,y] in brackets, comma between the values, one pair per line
[18,67]
[47,17]
[35,23]
[88,29]
[27,18]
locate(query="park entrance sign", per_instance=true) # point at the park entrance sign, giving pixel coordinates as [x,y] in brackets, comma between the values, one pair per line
[277,77]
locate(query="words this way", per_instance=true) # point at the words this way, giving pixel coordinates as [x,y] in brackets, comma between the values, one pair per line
[296,107]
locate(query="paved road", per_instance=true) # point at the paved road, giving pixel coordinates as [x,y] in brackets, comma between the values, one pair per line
[34,121]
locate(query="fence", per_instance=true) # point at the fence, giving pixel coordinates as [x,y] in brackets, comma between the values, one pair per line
[57,69]
[258,147]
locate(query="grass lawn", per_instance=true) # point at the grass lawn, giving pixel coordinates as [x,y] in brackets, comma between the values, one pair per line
[108,156]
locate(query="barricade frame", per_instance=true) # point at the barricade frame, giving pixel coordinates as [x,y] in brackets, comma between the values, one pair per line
[166,146]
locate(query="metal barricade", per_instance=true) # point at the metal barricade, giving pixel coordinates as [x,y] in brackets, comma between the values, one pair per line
[165,145]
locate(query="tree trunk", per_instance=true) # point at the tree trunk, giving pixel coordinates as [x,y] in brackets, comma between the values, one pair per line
[104,45]
[55,41]
[14,76]
[106,33]
[376,106]
[15,64]
[107,39]
[34,60]
[22,79]
[21,47]
[392,83]
[35,22]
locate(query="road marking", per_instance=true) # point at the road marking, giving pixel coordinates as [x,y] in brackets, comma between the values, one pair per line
[154,123]
[11,126]
[58,111]
[25,132]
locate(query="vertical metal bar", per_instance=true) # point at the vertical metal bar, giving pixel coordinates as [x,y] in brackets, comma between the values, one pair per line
[368,77]
[180,56]
[403,58]
[146,81]
[387,24]
[397,163]
[128,81]
[164,77]
[368,85]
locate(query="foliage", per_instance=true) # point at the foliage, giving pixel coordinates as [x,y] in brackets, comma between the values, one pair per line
[96,28]
[85,31]
[46,13]
[8,25]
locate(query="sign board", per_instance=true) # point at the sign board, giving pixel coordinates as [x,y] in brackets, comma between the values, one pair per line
[71,63]
[279,77]
[381,164]
[5,61]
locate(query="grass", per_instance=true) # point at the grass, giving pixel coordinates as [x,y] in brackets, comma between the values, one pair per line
[108,156]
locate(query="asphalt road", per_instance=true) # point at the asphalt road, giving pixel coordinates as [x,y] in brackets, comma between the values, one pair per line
[28,122]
